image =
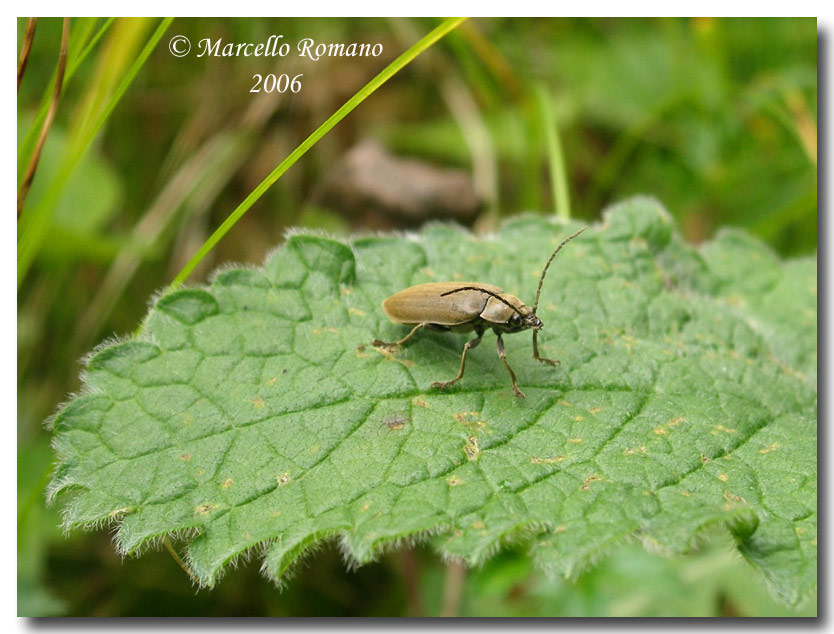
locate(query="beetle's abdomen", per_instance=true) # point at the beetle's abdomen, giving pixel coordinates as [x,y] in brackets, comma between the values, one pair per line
[425,303]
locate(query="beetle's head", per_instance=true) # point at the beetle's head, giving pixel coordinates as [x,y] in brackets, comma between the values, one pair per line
[524,319]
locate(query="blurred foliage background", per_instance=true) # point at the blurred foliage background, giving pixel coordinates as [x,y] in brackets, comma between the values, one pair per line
[714,117]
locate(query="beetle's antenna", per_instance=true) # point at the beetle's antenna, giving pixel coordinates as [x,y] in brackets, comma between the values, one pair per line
[544,270]
[482,290]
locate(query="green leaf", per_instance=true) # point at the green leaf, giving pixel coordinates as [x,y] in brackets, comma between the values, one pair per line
[253,415]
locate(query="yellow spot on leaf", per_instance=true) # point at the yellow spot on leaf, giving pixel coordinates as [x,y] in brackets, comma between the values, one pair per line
[356,311]
[469,419]
[284,479]
[592,478]
[272,381]
[560,529]
[772,447]
[478,524]
[578,418]
[258,403]
[641,449]
[660,431]
[575,441]
[564,402]
[720,428]
[227,483]
[471,448]
[723,477]
[186,457]
[596,410]
[454,481]
[204,509]
[547,460]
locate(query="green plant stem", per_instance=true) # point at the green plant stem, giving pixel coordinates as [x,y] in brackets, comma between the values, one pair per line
[556,158]
[81,30]
[167,543]
[47,122]
[28,37]
[389,71]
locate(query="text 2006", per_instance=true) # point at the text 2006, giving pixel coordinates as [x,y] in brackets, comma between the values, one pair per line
[276,83]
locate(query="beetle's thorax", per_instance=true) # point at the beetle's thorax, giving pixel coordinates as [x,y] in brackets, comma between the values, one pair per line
[510,315]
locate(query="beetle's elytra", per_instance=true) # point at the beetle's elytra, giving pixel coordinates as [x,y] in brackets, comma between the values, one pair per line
[465,306]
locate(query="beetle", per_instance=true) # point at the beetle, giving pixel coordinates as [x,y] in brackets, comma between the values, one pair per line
[467,306]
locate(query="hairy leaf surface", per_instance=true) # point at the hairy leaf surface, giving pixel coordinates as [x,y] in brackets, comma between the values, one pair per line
[254,415]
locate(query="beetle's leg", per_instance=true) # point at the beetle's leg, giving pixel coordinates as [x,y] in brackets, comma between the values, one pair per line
[376,343]
[503,356]
[536,351]
[469,345]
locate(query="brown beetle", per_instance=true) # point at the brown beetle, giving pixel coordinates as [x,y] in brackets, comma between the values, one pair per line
[465,306]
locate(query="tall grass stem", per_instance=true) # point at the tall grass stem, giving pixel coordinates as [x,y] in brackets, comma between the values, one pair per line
[389,71]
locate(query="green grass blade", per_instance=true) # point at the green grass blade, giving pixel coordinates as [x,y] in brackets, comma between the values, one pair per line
[556,158]
[389,71]
[78,41]
[34,223]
